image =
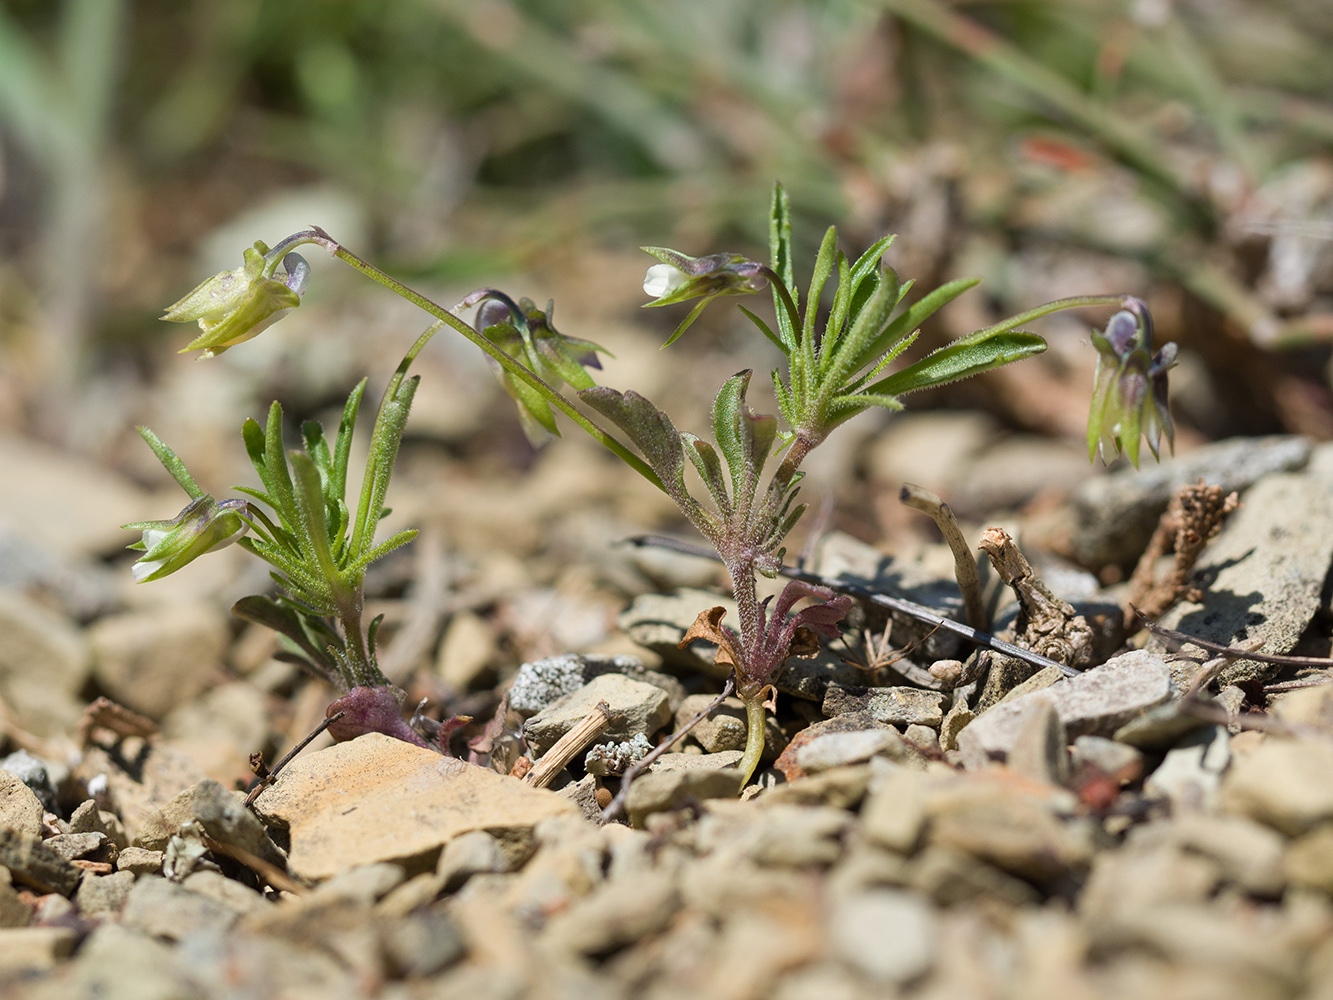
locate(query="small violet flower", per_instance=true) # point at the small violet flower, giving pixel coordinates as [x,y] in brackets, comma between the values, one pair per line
[234,306]
[680,278]
[1129,395]
[205,525]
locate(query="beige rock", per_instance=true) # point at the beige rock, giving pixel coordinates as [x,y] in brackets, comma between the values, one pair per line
[466,650]
[1284,783]
[20,809]
[14,912]
[644,706]
[158,774]
[1309,860]
[138,861]
[33,949]
[167,910]
[103,895]
[221,812]
[380,799]
[620,912]
[151,661]
[725,728]
[44,661]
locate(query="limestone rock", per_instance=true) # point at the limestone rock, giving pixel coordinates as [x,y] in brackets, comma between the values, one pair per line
[1284,783]
[20,809]
[886,934]
[644,706]
[1266,571]
[657,791]
[34,864]
[542,682]
[151,661]
[1094,703]
[897,705]
[375,798]
[104,895]
[837,749]
[618,913]
[167,910]
[224,818]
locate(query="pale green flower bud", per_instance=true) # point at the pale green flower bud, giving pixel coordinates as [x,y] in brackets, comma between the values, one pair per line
[234,306]
[680,278]
[204,526]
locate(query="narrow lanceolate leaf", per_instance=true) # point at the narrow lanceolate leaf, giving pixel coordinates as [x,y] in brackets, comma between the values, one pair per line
[172,463]
[705,459]
[342,446]
[961,359]
[856,346]
[908,321]
[780,260]
[650,430]
[824,263]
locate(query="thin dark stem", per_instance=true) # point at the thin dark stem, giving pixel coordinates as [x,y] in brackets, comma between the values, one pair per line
[617,805]
[272,775]
[1231,652]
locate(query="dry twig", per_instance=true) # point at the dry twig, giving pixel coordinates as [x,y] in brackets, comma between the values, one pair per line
[1046,623]
[964,564]
[569,746]
[270,776]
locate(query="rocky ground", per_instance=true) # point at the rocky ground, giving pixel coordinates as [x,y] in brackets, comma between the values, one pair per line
[926,823]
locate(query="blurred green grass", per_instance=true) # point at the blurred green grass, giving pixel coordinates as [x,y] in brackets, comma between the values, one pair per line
[1187,143]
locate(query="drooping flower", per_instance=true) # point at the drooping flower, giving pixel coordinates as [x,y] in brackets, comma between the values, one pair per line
[1129,397]
[205,525]
[234,306]
[680,278]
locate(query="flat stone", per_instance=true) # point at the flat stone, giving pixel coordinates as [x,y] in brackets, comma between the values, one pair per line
[87,818]
[28,950]
[951,877]
[1097,702]
[894,814]
[1160,727]
[116,962]
[886,934]
[1309,860]
[223,815]
[33,864]
[136,779]
[475,853]
[103,895]
[542,682]
[1117,513]
[1040,749]
[797,836]
[151,661]
[1191,773]
[1247,853]
[76,845]
[1107,756]
[44,662]
[618,913]
[375,798]
[14,912]
[366,883]
[20,809]
[419,945]
[725,728]
[1266,571]
[842,787]
[227,891]
[897,705]
[1312,706]
[138,861]
[837,749]
[167,910]
[696,761]
[850,722]
[1283,783]
[645,707]
[658,791]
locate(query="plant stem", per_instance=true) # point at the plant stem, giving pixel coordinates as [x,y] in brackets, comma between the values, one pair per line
[321,238]
[754,738]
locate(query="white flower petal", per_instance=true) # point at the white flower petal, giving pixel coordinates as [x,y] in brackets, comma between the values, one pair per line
[662,279]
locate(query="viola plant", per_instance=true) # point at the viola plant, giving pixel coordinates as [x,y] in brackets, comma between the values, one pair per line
[836,365]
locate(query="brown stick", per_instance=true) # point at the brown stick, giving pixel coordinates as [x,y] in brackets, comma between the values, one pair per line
[272,775]
[569,746]
[964,565]
[1231,652]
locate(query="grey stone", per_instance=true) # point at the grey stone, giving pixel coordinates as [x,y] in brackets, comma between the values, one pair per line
[851,722]
[1191,773]
[620,912]
[474,853]
[20,808]
[87,818]
[797,836]
[34,864]
[541,682]
[76,845]
[103,895]
[1108,756]
[152,661]
[1039,750]
[696,761]
[894,813]
[836,749]
[138,861]
[950,877]
[1246,852]
[1117,513]
[898,705]
[1097,702]
[658,791]
[419,945]
[1160,727]
[365,883]
[725,728]
[645,708]
[1283,783]
[166,910]
[14,912]
[886,934]
[223,815]
[842,787]
[227,891]
[44,662]
[1266,571]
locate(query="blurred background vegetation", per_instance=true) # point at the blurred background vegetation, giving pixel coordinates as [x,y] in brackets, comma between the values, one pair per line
[1176,150]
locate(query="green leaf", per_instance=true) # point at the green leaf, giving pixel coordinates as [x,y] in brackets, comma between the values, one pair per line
[824,262]
[688,321]
[765,329]
[650,430]
[727,406]
[780,256]
[279,480]
[172,463]
[908,321]
[394,541]
[310,503]
[253,436]
[342,445]
[962,359]
[307,632]
[705,460]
